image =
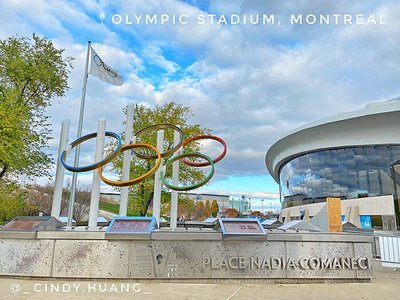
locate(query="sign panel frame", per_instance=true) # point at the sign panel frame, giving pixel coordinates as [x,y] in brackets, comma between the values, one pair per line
[127,234]
[45,223]
[242,235]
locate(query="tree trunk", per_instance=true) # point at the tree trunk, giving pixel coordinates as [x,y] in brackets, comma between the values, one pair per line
[146,208]
[3,171]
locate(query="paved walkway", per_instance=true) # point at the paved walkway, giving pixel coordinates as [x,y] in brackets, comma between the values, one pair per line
[385,286]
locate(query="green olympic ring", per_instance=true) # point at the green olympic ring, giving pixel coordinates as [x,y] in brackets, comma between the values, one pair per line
[191,187]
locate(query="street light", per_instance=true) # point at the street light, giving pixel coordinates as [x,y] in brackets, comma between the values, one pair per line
[271,207]
[262,206]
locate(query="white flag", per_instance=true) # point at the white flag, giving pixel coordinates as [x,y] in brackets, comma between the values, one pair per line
[99,69]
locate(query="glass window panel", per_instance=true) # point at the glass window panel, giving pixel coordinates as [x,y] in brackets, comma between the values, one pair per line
[346,173]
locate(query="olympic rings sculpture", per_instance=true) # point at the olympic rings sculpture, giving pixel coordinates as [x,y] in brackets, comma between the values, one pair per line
[158,127]
[140,178]
[158,157]
[192,187]
[201,137]
[94,166]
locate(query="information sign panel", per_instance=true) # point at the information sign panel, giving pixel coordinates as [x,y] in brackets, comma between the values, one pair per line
[131,225]
[241,226]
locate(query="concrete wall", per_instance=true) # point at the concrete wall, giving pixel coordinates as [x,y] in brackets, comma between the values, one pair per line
[382,205]
[269,258]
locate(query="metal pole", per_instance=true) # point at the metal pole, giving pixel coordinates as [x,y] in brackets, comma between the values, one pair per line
[175,180]
[95,195]
[157,180]
[262,206]
[60,170]
[126,165]
[78,148]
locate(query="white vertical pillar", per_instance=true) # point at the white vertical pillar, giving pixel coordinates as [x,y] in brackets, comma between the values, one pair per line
[95,195]
[175,181]
[60,170]
[157,180]
[126,165]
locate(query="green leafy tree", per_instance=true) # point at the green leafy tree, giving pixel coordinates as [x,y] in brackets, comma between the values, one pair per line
[214,208]
[141,195]
[12,201]
[32,73]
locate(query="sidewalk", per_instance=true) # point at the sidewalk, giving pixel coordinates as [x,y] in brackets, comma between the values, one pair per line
[386,286]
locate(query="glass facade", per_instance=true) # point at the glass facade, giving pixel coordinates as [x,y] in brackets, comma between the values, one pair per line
[347,173]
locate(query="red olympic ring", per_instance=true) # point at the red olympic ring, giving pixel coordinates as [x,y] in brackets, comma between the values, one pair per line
[201,137]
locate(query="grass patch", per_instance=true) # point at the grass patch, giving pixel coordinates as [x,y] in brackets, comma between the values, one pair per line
[113,208]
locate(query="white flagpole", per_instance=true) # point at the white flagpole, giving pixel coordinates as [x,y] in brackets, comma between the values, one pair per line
[80,126]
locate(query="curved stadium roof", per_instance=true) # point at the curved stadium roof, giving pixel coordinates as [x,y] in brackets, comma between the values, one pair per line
[376,124]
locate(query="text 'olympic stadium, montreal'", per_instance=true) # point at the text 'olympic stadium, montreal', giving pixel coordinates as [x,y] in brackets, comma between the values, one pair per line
[354,156]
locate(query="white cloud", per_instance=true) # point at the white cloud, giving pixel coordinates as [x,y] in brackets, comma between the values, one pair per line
[154,54]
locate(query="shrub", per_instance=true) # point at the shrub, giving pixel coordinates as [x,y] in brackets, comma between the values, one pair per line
[12,201]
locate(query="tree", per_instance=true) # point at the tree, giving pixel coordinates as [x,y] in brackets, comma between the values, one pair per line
[32,73]
[12,201]
[40,199]
[200,211]
[256,213]
[214,208]
[141,195]
[186,206]
[208,208]
[231,213]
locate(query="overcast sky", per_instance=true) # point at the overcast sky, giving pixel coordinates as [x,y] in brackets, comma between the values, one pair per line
[249,83]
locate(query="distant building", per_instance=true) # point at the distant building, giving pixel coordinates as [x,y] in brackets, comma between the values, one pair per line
[222,200]
[242,204]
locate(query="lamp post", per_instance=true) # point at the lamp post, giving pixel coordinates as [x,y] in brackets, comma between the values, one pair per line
[262,206]
[271,207]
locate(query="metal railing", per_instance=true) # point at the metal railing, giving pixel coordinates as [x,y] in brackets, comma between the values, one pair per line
[386,246]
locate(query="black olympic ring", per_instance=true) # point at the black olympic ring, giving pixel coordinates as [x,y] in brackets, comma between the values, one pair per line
[103,67]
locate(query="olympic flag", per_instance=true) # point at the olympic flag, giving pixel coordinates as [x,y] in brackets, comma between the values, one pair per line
[99,69]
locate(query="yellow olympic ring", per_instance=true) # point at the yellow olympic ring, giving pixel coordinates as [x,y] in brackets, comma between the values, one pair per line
[138,179]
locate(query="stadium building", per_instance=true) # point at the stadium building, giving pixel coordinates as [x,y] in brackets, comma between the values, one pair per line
[354,156]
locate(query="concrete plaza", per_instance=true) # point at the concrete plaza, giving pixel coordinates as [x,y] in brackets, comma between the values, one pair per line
[386,285]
